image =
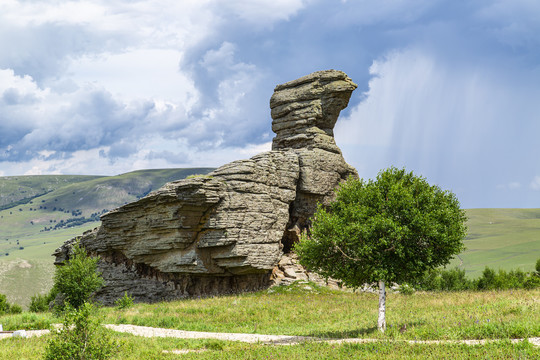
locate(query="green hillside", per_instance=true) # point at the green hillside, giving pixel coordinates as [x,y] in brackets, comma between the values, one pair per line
[31,231]
[501,239]
[22,189]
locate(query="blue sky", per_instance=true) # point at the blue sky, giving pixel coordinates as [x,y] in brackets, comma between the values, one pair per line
[448,89]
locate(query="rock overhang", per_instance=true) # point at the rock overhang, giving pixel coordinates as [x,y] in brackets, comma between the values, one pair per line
[226,231]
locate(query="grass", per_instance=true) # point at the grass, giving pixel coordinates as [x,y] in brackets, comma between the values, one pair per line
[17,188]
[305,309]
[505,239]
[323,313]
[152,348]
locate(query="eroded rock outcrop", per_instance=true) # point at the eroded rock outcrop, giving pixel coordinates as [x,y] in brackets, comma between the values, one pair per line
[227,231]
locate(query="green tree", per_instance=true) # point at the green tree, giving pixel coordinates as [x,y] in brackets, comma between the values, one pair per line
[392,229]
[4,305]
[78,278]
[80,337]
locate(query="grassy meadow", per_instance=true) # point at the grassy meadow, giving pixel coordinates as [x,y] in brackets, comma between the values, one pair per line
[308,310]
[500,239]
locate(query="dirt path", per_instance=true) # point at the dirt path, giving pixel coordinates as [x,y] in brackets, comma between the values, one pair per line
[262,339]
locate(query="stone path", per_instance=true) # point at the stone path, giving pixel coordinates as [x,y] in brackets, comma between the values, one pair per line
[260,338]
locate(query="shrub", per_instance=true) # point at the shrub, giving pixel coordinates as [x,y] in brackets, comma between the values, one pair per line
[78,279]
[455,280]
[124,302]
[445,280]
[39,303]
[406,289]
[81,337]
[7,308]
[487,280]
[502,280]
[532,282]
[15,309]
[538,267]
[4,305]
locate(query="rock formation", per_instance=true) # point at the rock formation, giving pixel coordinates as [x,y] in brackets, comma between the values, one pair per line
[227,231]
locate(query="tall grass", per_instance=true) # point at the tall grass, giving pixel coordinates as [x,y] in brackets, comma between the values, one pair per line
[156,348]
[305,309]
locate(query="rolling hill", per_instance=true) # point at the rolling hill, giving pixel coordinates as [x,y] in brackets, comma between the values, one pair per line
[501,239]
[15,190]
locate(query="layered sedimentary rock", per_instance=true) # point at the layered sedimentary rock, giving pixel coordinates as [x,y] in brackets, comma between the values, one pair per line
[304,113]
[227,231]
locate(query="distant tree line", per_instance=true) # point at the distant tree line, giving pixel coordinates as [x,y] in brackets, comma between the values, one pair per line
[76,221]
[21,202]
[455,280]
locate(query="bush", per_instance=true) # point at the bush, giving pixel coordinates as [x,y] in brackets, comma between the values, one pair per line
[532,282]
[4,305]
[78,279]
[406,289]
[124,302]
[502,280]
[15,309]
[39,303]
[7,308]
[445,280]
[81,337]
[455,280]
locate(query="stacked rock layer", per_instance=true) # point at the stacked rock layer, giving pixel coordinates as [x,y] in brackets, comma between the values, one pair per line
[227,231]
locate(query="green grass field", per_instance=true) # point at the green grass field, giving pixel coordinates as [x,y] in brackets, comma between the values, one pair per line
[308,310]
[501,239]
[17,188]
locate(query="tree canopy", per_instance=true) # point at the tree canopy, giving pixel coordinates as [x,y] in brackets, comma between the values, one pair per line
[391,229]
[394,229]
[78,278]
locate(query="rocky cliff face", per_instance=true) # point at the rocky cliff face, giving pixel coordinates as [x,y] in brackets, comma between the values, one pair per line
[227,231]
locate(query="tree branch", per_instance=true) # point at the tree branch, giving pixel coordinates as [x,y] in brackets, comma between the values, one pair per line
[347,256]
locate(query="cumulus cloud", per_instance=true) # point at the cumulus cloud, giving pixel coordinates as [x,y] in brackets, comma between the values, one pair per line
[111,85]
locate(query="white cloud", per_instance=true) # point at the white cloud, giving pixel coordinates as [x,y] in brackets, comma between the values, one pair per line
[514,185]
[264,12]
[513,22]
[535,183]
[138,73]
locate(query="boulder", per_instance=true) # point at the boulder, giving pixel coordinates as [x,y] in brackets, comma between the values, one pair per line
[226,232]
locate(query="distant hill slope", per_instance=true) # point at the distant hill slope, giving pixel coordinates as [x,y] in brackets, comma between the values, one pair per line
[501,239]
[21,189]
[31,229]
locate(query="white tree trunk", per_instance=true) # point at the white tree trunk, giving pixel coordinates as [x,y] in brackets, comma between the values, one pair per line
[381,324]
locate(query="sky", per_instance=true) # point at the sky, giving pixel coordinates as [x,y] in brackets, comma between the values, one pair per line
[447,89]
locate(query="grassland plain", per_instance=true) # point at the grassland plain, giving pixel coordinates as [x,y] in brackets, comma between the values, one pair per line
[308,310]
[501,239]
